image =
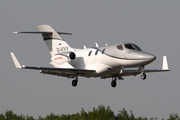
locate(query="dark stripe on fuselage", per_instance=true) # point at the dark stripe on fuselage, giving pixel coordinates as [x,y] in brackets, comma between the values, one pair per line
[52,38]
[115,56]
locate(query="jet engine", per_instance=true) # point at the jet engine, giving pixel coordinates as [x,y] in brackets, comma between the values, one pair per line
[63,57]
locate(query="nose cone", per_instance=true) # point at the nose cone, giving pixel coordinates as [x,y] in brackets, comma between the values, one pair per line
[147,57]
[140,57]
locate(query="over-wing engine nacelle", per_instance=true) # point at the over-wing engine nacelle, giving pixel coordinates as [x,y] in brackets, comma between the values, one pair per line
[63,57]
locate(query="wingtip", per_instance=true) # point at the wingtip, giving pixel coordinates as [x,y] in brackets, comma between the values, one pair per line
[16,32]
[16,62]
[165,63]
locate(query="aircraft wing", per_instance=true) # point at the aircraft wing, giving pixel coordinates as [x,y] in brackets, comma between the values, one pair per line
[65,72]
[165,68]
[127,72]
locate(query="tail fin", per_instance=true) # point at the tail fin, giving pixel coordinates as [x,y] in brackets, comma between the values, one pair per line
[53,40]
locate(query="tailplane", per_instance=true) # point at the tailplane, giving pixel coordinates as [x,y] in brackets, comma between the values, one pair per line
[53,40]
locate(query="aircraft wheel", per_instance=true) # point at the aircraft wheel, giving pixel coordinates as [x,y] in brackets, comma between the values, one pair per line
[143,76]
[74,83]
[113,83]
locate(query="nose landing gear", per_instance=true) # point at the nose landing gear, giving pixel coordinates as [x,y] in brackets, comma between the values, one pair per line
[143,74]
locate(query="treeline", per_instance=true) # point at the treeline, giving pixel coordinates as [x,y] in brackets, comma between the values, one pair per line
[101,113]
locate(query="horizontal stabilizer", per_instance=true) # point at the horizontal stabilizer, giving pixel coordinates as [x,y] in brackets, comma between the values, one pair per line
[45,32]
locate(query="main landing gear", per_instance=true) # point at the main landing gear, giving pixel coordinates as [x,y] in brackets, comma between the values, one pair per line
[143,76]
[113,82]
[74,82]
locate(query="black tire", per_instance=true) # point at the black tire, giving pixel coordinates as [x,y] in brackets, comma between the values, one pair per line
[74,83]
[113,83]
[143,76]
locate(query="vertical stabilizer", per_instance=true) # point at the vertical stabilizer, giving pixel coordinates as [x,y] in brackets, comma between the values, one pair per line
[53,40]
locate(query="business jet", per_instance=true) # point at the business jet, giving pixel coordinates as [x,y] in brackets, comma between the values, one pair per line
[115,61]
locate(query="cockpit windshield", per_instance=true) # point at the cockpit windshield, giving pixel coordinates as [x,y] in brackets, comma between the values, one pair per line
[132,47]
[120,47]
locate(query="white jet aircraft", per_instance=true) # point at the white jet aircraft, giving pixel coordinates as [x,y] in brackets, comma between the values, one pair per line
[113,61]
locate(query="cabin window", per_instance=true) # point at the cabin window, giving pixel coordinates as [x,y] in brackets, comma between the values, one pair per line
[120,47]
[89,53]
[103,51]
[96,52]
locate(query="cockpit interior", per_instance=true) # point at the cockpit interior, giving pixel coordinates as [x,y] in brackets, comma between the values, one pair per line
[128,46]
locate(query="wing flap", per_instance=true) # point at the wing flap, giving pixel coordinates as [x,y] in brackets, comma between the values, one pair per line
[60,70]
[57,73]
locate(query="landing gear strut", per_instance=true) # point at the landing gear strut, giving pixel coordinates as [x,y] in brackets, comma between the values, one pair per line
[74,82]
[113,82]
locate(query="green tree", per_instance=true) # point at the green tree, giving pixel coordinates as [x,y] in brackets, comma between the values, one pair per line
[123,115]
[9,115]
[84,115]
[29,117]
[132,116]
[101,113]
[173,116]
[153,118]
[140,118]
[52,116]
[75,116]
[2,117]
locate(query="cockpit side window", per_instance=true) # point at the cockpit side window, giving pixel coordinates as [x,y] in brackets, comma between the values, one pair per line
[120,47]
[137,47]
[129,46]
[132,47]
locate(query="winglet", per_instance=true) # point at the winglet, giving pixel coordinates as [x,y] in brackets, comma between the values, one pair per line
[165,63]
[17,64]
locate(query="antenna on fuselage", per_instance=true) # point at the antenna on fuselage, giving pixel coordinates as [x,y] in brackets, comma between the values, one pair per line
[84,47]
[96,45]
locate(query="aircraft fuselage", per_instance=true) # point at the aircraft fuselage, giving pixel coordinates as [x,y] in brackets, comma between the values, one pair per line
[108,58]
